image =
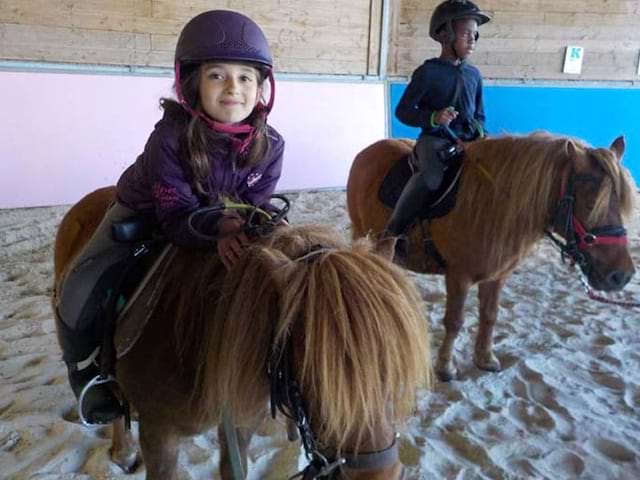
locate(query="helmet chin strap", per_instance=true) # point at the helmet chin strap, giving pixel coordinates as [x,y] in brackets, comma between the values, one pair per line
[453,42]
[241,145]
[455,52]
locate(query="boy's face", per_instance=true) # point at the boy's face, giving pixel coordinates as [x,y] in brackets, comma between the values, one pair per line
[466,36]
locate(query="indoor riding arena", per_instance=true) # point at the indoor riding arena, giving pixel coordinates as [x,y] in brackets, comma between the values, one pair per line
[223,306]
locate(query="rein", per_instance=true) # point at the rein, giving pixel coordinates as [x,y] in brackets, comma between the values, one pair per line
[253,226]
[599,298]
[286,398]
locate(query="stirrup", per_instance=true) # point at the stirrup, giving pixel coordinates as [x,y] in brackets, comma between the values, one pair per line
[94,382]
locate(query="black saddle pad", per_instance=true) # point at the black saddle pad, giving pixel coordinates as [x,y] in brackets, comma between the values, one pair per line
[438,203]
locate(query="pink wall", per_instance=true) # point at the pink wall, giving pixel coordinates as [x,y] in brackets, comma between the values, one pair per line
[63,135]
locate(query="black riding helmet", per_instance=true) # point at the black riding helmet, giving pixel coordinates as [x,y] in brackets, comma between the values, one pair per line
[449,11]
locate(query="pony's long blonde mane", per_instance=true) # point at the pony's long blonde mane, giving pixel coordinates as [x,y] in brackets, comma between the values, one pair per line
[365,343]
[511,186]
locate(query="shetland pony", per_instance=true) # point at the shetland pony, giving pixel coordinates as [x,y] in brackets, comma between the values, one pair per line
[513,190]
[350,318]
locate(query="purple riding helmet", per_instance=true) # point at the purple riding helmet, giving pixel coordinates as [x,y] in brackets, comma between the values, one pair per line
[230,36]
[448,12]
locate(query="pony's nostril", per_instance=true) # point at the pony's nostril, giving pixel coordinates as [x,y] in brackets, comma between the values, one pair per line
[618,279]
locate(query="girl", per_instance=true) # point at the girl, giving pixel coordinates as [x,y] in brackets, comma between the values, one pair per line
[212,144]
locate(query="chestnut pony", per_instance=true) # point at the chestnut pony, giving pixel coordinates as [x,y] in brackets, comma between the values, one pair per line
[513,191]
[349,319]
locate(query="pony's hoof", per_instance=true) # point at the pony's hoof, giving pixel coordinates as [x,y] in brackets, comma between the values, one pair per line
[128,462]
[489,363]
[292,431]
[445,375]
[446,372]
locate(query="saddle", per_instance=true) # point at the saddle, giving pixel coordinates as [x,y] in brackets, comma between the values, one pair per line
[139,302]
[140,252]
[438,203]
[139,275]
[140,291]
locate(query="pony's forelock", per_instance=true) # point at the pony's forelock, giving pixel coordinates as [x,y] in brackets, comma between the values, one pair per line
[365,345]
[617,182]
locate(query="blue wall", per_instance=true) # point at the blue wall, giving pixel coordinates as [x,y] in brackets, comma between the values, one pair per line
[597,115]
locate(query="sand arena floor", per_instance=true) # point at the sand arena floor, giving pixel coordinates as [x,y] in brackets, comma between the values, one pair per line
[565,406]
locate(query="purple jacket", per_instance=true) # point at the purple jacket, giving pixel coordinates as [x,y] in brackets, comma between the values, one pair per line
[157,183]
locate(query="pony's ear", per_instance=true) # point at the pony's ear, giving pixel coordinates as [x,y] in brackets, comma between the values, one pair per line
[385,247]
[579,162]
[618,146]
[572,153]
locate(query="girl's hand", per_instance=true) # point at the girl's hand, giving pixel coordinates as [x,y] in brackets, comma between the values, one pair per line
[445,116]
[232,240]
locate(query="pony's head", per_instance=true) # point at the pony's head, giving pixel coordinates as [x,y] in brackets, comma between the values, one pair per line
[596,197]
[526,185]
[351,321]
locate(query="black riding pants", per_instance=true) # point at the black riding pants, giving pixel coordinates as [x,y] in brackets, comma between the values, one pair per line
[427,178]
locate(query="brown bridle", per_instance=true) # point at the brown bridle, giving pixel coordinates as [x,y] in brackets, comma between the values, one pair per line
[286,398]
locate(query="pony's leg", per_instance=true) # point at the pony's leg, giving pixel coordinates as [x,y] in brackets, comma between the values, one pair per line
[488,296]
[244,438]
[123,448]
[292,430]
[457,289]
[159,445]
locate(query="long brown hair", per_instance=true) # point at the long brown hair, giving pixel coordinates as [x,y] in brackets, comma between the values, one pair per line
[197,140]
[359,321]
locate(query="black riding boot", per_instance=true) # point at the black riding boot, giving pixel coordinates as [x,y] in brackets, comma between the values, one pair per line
[413,199]
[99,404]
[406,211]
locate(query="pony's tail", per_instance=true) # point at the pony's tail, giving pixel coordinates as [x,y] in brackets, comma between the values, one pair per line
[366,347]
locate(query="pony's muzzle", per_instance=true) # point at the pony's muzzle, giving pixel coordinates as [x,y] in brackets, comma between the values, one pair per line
[617,279]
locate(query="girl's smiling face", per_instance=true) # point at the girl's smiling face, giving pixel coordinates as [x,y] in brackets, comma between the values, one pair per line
[229,91]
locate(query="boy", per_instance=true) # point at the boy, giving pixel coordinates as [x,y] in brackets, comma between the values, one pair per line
[444,95]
